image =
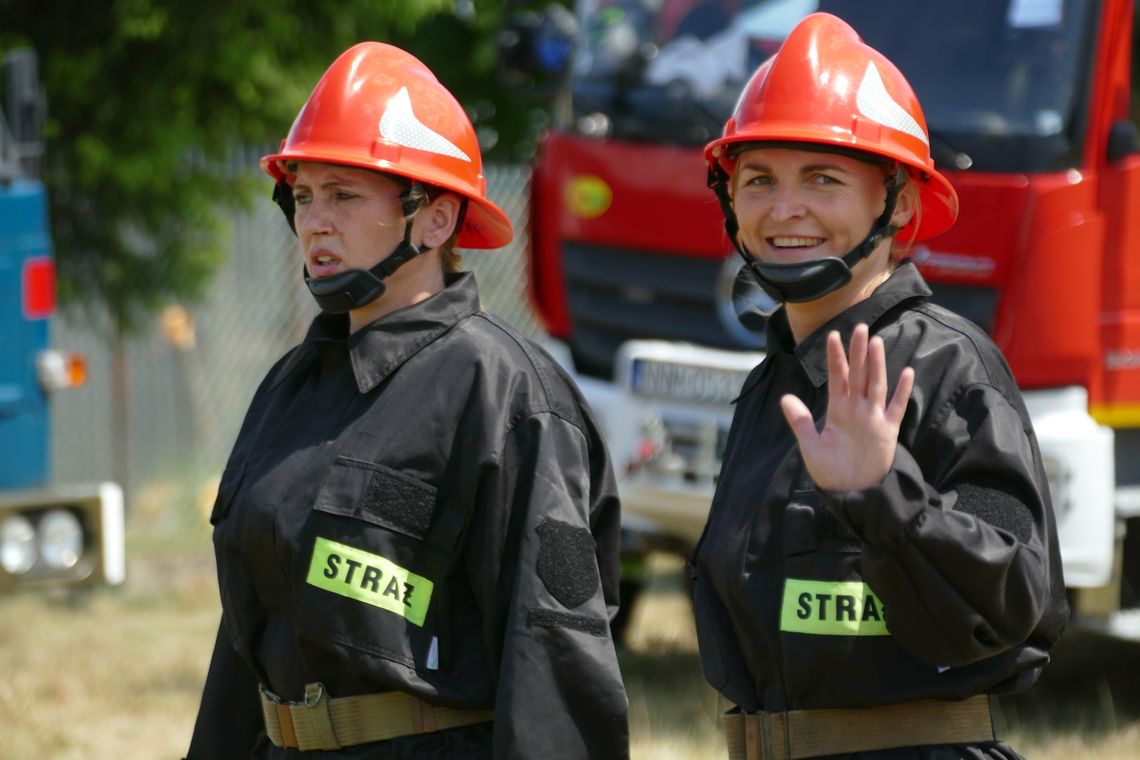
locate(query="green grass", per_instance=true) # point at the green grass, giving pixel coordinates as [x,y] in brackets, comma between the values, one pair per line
[118,673]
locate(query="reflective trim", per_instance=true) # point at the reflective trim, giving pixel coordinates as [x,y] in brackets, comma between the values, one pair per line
[832,608]
[369,578]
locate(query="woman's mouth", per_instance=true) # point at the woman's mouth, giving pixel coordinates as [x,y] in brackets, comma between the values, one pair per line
[323,264]
[794,243]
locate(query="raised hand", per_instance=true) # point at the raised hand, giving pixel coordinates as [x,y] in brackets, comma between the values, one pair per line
[857,444]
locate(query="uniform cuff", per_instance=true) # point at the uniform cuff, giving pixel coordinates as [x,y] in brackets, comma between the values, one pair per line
[884,515]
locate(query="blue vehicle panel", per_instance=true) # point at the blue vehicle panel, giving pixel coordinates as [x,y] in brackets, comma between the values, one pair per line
[23,406]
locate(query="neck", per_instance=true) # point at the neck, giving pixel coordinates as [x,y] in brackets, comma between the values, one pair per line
[807,317]
[415,281]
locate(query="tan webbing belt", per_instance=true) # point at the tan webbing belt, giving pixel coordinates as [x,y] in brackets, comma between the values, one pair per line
[799,734]
[322,722]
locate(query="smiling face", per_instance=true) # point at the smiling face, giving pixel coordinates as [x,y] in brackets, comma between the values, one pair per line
[796,206]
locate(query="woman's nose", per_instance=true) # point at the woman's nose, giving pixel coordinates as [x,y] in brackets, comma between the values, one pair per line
[788,203]
[312,218]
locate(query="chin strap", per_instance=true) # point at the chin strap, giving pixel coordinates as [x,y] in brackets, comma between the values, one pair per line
[354,288]
[796,283]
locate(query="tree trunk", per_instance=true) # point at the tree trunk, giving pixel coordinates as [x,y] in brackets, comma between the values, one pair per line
[121,416]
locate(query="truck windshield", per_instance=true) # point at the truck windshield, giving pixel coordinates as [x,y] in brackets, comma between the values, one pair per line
[1002,82]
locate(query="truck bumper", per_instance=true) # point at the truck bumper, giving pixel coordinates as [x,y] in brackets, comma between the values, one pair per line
[1079,456]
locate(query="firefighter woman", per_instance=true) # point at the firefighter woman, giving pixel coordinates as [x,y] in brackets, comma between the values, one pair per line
[417,530]
[880,556]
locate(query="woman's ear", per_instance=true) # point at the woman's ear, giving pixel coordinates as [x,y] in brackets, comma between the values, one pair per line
[438,219]
[906,205]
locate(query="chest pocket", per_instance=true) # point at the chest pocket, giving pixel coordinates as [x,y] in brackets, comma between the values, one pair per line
[380,544]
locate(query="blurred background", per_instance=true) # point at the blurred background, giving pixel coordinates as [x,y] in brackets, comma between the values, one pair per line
[179,282]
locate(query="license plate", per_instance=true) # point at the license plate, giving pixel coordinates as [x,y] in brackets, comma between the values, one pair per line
[686,382]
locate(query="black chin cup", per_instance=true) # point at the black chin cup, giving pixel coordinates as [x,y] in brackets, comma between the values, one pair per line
[351,289]
[345,291]
[798,283]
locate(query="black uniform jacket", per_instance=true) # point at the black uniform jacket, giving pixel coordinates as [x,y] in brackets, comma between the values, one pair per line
[425,506]
[943,581]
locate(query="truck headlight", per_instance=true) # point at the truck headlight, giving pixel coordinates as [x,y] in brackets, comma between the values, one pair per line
[61,539]
[17,545]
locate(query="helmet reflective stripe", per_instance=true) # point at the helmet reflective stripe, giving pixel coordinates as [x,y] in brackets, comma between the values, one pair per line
[876,104]
[399,125]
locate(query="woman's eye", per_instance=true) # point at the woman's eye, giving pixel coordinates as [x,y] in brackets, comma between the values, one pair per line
[823,179]
[343,195]
[301,199]
[761,179]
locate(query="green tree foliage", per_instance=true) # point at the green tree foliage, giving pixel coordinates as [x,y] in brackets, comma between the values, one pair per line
[149,98]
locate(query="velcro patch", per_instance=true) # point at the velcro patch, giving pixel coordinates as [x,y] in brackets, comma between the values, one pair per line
[369,578]
[556,619]
[566,562]
[832,608]
[998,507]
[403,501]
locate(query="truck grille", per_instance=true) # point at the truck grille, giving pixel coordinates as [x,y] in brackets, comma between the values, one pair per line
[617,294]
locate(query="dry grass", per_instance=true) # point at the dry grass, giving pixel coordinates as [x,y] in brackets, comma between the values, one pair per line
[118,675]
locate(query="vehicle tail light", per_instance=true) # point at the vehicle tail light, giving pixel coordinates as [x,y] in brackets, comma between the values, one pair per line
[39,288]
[61,369]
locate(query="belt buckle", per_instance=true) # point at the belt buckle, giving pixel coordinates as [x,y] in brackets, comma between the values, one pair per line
[313,694]
[305,724]
[270,696]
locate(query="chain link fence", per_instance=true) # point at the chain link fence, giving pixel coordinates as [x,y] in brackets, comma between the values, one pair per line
[192,375]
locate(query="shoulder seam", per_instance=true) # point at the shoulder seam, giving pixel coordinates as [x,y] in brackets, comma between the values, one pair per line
[526,349]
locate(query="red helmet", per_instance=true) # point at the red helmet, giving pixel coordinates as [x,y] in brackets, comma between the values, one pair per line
[826,86]
[379,107]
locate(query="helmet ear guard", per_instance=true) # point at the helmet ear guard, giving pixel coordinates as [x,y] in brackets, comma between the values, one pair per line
[283,197]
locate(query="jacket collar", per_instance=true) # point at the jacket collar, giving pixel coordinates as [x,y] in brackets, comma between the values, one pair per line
[377,349]
[904,284]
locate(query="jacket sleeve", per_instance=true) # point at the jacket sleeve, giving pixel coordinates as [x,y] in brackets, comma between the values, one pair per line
[543,560]
[959,539]
[229,717]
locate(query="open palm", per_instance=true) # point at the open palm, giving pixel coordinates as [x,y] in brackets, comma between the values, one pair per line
[857,444]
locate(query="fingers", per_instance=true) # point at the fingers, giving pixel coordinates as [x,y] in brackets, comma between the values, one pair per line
[876,372]
[899,400]
[799,419]
[837,373]
[857,355]
[862,373]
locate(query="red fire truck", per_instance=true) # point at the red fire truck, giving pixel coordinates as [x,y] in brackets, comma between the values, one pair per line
[1028,105]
